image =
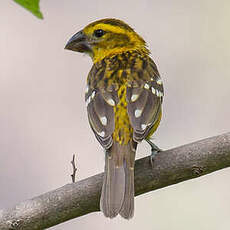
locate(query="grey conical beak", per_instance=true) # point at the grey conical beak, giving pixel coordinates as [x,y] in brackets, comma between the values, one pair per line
[78,42]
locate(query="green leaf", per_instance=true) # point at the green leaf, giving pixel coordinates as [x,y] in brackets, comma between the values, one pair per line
[32,6]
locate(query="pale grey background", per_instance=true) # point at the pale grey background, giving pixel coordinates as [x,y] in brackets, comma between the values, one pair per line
[43,117]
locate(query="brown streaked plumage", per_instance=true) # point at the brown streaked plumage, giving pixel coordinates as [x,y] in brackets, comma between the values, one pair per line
[124,96]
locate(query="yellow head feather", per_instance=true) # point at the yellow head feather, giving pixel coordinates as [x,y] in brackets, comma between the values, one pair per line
[118,37]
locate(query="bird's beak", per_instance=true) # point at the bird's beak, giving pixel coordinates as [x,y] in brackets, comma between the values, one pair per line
[78,42]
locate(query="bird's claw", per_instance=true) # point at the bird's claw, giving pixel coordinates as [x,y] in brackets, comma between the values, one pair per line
[154,151]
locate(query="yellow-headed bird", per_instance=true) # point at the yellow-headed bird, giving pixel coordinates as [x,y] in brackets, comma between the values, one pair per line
[123,96]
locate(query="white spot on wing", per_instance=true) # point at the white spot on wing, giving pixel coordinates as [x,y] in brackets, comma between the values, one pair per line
[88,101]
[159,81]
[138,113]
[93,94]
[102,134]
[87,89]
[104,120]
[153,91]
[146,86]
[143,126]
[157,93]
[134,97]
[111,102]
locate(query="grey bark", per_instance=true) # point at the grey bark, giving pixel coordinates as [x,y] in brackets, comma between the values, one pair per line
[80,198]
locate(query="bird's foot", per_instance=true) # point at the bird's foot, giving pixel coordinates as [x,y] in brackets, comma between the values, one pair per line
[154,151]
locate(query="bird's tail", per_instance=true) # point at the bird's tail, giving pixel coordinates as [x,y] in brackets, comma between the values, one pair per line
[117,194]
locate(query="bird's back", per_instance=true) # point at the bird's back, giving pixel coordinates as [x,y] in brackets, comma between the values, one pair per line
[122,113]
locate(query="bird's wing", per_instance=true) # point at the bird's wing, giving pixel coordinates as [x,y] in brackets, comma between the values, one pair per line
[100,106]
[144,96]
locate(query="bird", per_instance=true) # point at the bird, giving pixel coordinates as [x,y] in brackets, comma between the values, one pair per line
[124,95]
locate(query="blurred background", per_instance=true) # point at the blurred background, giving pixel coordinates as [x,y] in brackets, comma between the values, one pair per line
[43,117]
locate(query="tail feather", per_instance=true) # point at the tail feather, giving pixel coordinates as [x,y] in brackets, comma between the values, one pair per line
[113,188]
[127,209]
[118,186]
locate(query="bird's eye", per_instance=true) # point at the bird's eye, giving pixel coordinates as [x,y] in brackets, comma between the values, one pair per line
[98,33]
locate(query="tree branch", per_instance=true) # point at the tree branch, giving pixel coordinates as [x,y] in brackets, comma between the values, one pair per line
[77,199]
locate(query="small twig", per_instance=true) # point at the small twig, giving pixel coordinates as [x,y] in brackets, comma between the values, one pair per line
[73,176]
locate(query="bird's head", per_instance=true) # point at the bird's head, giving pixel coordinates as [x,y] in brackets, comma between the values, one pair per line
[106,37]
